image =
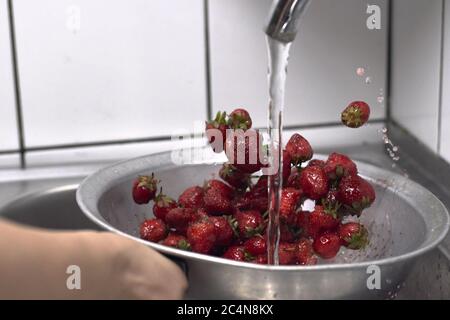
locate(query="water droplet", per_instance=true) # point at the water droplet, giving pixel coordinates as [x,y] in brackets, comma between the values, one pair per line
[386,140]
[368,80]
[360,71]
[380,99]
[384,130]
[395,149]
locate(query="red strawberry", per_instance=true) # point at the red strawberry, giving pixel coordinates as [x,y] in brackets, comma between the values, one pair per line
[240,119]
[316,163]
[356,193]
[236,253]
[286,253]
[249,223]
[321,220]
[290,199]
[256,246]
[302,223]
[327,245]
[294,179]
[202,236]
[163,204]
[261,186]
[288,233]
[179,219]
[200,214]
[261,259]
[243,150]
[191,198]
[354,235]
[299,149]
[305,254]
[286,166]
[153,230]
[234,177]
[356,114]
[144,189]
[224,231]
[221,187]
[217,129]
[177,241]
[216,203]
[339,165]
[314,182]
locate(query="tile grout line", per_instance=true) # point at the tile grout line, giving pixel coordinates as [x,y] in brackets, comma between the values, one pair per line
[441,80]
[207,59]
[17,92]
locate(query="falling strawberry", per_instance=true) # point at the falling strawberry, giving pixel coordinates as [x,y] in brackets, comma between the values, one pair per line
[290,199]
[305,253]
[217,129]
[356,114]
[339,165]
[224,231]
[327,245]
[177,241]
[191,198]
[299,149]
[354,235]
[144,189]
[249,223]
[236,253]
[202,236]
[356,194]
[153,230]
[163,204]
[256,246]
[180,218]
[234,177]
[240,119]
[314,182]
[243,150]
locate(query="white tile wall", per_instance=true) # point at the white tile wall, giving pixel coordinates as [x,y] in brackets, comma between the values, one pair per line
[109,69]
[333,42]
[445,118]
[416,53]
[8,131]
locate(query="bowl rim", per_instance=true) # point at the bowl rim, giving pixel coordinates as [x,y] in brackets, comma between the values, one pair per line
[92,211]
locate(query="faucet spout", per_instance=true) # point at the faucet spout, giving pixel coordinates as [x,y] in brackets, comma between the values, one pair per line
[284,18]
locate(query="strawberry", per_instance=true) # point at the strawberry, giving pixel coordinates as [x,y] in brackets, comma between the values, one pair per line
[321,220]
[256,246]
[339,165]
[153,230]
[288,232]
[163,204]
[200,214]
[286,253]
[249,223]
[299,149]
[179,219]
[220,187]
[191,198]
[224,231]
[243,150]
[144,189]
[240,119]
[286,166]
[356,194]
[353,235]
[177,241]
[216,203]
[261,186]
[234,177]
[252,201]
[202,236]
[316,163]
[356,114]
[217,129]
[305,253]
[302,223]
[290,199]
[294,179]
[236,253]
[261,259]
[314,182]
[327,245]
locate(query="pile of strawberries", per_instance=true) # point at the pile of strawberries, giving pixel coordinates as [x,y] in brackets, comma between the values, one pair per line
[228,217]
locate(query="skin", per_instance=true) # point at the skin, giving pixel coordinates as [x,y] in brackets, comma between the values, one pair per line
[33,264]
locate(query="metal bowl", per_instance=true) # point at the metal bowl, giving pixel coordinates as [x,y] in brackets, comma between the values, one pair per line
[405,222]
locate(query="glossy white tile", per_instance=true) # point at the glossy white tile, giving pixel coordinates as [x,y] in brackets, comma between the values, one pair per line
[109,69]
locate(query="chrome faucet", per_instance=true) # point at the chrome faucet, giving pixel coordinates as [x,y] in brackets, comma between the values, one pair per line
[284,18]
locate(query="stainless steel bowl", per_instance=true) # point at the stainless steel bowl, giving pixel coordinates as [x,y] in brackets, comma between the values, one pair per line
[405,222]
